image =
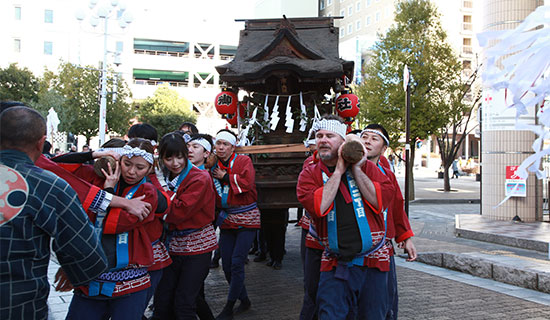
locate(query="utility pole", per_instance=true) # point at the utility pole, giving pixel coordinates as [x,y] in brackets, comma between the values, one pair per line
[407,88]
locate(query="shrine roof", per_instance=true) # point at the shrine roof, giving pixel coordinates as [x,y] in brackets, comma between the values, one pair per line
[306,46]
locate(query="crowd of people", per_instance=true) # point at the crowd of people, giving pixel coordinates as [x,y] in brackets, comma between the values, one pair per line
[136,221]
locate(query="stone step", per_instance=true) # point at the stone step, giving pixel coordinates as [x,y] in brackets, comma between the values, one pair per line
[531,236]
[520,271]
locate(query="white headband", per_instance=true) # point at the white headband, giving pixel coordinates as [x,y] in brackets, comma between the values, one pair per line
[376,132]
[331,125]
[204,143]
[224,135]
[137,152]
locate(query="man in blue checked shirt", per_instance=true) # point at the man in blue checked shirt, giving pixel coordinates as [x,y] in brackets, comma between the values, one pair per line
[36,207]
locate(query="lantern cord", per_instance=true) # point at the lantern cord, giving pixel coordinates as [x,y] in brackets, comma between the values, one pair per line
[283,95]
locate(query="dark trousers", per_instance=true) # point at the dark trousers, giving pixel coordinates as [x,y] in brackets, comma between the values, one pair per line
[303,249]
[128,307]
[274,223]
[312,271]
[155,279]
[203,309]
[176,295]
[364,294]
[392,291]
[234,246]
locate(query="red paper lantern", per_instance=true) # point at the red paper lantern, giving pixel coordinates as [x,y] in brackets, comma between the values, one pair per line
[232,118]
[347,105]
[226,102]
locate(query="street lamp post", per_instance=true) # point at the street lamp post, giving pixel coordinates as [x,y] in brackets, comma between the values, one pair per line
[105,13]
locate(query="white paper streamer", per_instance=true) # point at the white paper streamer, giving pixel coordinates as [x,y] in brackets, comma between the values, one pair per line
[303,118]
[275,115]
[523,55]
[289,122]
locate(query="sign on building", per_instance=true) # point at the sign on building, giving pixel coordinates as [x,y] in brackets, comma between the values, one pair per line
[515,187]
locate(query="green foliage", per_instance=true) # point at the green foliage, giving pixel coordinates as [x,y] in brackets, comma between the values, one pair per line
[46,100]
[79,110]
[417,40]
[166,110]
[18,84]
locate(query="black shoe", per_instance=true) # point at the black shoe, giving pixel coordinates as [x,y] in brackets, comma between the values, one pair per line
[253,251]
[214,264]
[260,258]
[243,306]
[277,265]
[270,263]
[227,312]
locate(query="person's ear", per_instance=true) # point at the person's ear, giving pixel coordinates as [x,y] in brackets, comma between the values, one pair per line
[40,144]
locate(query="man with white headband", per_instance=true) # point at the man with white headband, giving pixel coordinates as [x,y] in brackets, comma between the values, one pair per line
[239,218]
[200,147]
[347,203]
[375,139]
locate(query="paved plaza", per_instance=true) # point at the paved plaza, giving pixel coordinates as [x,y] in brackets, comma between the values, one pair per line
[426,292]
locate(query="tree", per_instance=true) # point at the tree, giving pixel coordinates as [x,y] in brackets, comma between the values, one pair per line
[166,110]
[417,40]
[18,84]
[80,88]
[451,136]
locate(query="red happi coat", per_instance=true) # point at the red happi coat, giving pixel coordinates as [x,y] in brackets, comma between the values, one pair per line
[118,220]
[305,221]
[310,190]
[86,191]
[193,208]
[140,251]
[242,192]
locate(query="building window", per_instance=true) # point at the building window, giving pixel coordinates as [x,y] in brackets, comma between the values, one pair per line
[48,16]
[358,25]
[329,2]
[358,6]
[467,4]
[17,13]
[369,2]
[467,45]
[350,28]
[466,64]
[342,32]
[377,17]
[48,48]
[350,10]
[367,21]
[343,13]
[322,4]
[16,45]
[467,23]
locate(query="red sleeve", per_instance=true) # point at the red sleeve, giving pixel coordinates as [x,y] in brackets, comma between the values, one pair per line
[85,191]
[244,180]
[385,190]
[401,223]
[119,220]
[192,199]
[309,191]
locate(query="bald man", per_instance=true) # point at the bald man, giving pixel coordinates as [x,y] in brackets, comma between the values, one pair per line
[38,210]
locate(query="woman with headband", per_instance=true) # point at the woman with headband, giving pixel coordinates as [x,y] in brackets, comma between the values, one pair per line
[239,218]
[120,293]
[191,237]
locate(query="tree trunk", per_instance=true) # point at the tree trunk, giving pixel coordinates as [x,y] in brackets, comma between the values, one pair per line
[88,141]
[446,179]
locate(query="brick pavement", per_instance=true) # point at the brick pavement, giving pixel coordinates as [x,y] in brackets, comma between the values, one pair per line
[277,294]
